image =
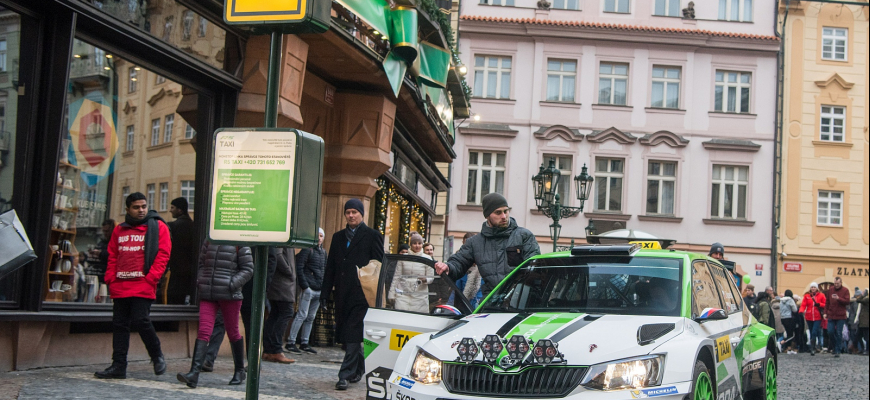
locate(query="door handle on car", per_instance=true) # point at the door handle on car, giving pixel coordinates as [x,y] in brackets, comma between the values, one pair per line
[376,334]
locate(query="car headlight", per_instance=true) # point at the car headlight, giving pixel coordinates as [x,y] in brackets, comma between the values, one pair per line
[426,369]
[632,373]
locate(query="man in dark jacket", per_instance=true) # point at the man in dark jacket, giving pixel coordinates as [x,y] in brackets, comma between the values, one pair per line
[282,296]
[98,257]
[837,300]
[351,249]
[182,262]
[501,246]
[309,271]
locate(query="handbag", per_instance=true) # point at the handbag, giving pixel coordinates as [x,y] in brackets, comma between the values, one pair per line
[368,279]
[15,248]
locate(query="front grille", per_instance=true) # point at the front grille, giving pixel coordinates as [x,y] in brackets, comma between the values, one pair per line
[535,381]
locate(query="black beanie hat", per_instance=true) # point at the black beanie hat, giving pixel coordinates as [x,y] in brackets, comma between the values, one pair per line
[180,203]
[492,202]
[356,204]
[717,248]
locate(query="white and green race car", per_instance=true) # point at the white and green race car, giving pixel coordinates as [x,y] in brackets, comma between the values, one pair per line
[598,322]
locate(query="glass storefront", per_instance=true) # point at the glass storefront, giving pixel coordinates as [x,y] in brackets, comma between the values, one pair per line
[10,40]
[397,215]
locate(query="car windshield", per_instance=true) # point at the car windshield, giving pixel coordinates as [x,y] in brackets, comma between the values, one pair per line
[601,285]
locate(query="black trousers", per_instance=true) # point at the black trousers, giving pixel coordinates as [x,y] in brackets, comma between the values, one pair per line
[217,337]
[354,363]
[132,313]
[273,329]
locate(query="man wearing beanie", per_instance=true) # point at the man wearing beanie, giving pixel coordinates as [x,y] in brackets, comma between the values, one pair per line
[183,260]
[350,249]
[500,247]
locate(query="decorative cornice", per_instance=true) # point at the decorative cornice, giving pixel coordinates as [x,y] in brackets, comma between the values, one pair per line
[157,96]
[611,133]
[835,78]
[731,145]
[729,222]
[604,216]
[666,137]
[562,131]
[489,130]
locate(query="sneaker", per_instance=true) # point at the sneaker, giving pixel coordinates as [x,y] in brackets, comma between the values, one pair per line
[341,385]
[113,372]
[291,348]
[308,349]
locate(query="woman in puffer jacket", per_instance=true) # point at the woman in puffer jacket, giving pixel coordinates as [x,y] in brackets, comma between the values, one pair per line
[223,270]
[410,287]
[811,306]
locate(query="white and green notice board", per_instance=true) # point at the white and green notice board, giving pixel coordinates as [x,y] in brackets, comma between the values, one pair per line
[266,186]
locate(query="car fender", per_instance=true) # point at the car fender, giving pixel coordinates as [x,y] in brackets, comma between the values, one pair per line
[409,353]
[681,353]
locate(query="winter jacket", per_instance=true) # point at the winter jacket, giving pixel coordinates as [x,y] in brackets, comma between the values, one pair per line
[410,286]
[310,264]
[283,285]
[764,313]
[810,306]
[182,261]
[863,312]
[496,251]
[775,305]
[223,270]
[125,269]
[787,307]
[836,308]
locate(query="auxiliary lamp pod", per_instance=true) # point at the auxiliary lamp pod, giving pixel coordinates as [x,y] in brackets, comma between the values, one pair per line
[544,351]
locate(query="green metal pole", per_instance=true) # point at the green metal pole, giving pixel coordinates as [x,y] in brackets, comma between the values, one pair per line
[261,253]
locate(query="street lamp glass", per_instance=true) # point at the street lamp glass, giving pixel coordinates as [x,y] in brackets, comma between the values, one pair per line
[550,181]
[537,185]
[590,229]
[583,183]
[555,230]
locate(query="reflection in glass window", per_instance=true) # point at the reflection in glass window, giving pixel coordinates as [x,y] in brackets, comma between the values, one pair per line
[703,288]
[612,83]
[10,38]
[608,183]
[131,137]
[167,128]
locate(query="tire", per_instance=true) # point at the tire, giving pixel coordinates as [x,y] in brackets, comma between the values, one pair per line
[769,391]
[703,385]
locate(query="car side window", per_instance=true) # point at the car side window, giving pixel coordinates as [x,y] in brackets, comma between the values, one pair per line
[731,301]
[409,283]
[703,288]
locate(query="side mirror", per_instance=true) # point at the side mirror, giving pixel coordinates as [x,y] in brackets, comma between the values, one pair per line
[711,314]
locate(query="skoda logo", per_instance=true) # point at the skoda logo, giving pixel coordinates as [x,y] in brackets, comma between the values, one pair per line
[506,363]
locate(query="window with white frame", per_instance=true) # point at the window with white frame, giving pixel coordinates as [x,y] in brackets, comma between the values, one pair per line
[485,174]
[131,137]
[167,128]
[735,10]
[832,124]
[509,3]
[609,174]
[563,164]
[155,131]
[612,83]
[187,191]
[566,4]
[667,8]
[561,78]
[830,208]
[492,77]
[164,196]
[665,87]
[3,67]
[617,6]
[728,196]
[189,133]
[661,183]
[149,195]
[186,25]
[834,44]
[133,79]
[732,91]
[124,193]
[203,26]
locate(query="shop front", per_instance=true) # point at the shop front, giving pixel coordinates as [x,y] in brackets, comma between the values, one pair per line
[797,272]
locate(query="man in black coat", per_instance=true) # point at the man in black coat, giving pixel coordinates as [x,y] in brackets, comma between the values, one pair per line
[351,248]
[185,253]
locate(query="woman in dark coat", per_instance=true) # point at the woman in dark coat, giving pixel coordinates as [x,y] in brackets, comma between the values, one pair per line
[223,270]
[282,296]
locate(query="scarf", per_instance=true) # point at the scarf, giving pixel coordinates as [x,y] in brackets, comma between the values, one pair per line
[349,233]
[151,236]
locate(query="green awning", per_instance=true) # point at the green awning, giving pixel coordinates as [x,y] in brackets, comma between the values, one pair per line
[395,68]
[373,12]
[433,63]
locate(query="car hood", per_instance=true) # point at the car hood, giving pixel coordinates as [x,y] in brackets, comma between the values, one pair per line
[583,339]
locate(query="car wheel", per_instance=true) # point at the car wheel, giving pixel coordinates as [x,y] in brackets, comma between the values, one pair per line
[702,384]
[768,392]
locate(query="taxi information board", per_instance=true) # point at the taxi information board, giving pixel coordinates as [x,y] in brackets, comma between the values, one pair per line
[293,15]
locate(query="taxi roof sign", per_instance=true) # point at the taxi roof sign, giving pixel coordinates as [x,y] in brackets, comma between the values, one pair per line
[648,244]
[302,16]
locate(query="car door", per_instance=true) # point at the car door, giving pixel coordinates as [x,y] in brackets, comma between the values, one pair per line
[411,300]
[706,295]
[738,327]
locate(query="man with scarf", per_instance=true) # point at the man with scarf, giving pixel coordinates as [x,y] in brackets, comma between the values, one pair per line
[138,252]
[350,249]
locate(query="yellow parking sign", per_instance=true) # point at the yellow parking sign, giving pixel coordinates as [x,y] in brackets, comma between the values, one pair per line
[259,11]
[648,245]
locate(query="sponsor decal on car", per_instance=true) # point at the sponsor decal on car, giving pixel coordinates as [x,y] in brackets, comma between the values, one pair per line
[753,366]
[402,396]
[728,390]
[376,383]
[477,316]
[406,383]
[654,392]
[398,338]
[723,348]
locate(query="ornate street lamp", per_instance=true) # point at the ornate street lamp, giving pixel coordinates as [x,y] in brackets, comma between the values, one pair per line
[546,183]
[584,186]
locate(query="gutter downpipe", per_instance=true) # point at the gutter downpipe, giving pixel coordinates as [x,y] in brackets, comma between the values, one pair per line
[777,143]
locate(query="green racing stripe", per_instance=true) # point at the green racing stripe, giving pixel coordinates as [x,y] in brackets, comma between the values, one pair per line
[542,325]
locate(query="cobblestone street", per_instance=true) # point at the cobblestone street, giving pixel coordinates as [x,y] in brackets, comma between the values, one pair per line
[312,377]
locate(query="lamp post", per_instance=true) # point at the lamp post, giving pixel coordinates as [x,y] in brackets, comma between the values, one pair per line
[545,184]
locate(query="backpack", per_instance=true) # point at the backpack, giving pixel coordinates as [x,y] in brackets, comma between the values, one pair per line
[753,309]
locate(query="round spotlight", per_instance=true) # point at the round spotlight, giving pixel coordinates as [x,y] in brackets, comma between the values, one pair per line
[517,347]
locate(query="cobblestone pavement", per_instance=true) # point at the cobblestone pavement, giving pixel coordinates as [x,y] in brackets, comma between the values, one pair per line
[313,376]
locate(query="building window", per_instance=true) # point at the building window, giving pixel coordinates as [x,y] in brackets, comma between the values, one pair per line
[732,91]
[509,3]
[187,191]
[665,87]
[834,41]
[728,198]
[830,208]
[155,131]
[735,10]
[566,4]
[617,6]
[203,26]
[667,8]
[564,164]
[133,81]
[833,124]
[189,133]
[608,183]
[661,182]
[492,77]
[561,77]
[612,83]
[131,136]
[187,25]
[124,193]
[159,79]
[167,128]
[3,67]
[164,196]
[149,194]
[485,175]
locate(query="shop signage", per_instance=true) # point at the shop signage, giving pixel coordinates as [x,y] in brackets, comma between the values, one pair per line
[300,16]
[759,267]
[792,267]
[758,273]
[266,186]
[845,271]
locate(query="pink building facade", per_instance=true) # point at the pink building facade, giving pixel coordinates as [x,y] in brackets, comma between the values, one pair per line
[673,116]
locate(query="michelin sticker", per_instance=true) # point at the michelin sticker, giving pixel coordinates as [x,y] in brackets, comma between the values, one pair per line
[406,383]
[655,392]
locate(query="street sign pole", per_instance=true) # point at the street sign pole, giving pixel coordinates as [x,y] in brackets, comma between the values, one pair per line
[261,252]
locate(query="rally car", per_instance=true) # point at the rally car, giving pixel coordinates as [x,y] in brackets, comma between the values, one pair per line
[596,322]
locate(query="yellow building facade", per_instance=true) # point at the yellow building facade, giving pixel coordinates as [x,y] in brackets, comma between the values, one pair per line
[823,230]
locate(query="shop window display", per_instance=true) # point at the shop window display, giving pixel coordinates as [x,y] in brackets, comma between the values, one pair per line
[10,31]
